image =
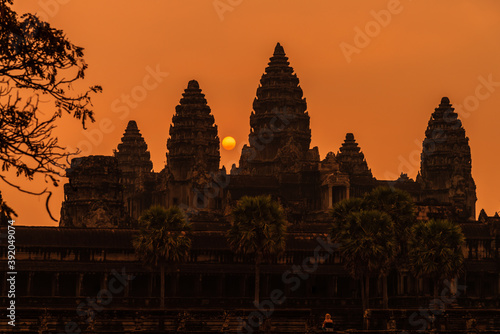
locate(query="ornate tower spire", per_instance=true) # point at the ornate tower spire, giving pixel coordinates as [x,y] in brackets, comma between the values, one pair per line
[351,159]
[279,120]
[132,154]
[193,143]
[445,169]
[135,164]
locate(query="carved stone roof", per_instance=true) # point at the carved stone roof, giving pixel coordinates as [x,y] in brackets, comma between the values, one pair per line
[446,162]
[193,143]
[351,159]
[279,117]
[133,151]
[445,144]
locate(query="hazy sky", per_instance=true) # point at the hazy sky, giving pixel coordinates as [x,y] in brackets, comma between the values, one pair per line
[377,69]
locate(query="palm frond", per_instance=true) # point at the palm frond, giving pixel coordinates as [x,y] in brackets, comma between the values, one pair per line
[163,236]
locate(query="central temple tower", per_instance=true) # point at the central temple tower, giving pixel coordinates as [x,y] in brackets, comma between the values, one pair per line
[279,125]
[193,150]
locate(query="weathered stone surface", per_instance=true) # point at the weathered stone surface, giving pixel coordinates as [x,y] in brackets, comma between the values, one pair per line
[136,167]
[445,170]
[279,125]
[194,143]
[94,195]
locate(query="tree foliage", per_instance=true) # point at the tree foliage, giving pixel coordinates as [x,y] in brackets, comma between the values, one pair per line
[399,205]
[259,227]
[396,204]
[37,62]
[162,236]
[368,243]
[435,249]
[373,234]
[163,240]
[259,230]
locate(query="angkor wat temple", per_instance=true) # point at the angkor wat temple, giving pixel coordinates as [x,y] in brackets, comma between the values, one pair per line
[62,268]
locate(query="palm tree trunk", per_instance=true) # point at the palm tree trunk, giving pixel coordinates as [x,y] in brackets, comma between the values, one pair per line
[175,283]
[367,294]
[257,283]
[385,297]
[162,286]
[363,298]
[436,285]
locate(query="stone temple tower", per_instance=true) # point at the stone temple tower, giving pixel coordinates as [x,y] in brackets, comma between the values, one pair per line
[351,159]
[193,147]
[445,170]
[136,169]
[93,197]
[352,162]
[279,125]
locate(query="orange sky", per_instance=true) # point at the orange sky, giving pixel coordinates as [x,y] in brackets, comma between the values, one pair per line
[385,95]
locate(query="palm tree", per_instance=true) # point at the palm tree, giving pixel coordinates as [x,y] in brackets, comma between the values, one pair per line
[367,244]
[258,229]
[399,205]
[341,211]
[435,250]
[162,239]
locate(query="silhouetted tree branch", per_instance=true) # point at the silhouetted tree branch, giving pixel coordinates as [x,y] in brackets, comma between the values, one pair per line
[36,60]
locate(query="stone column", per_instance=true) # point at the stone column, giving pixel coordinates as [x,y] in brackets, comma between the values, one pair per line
[198,285]
[150,285]
[126,289]
[105,280]
[481,285]
[30,283]
[330,197]
[244,285]
[264,282]
[498,285]
[174,284]
[79,285]
[221,285]
[308,293]
[55,284]
[379,287]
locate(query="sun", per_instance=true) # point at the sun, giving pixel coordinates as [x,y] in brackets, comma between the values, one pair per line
[228,143]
